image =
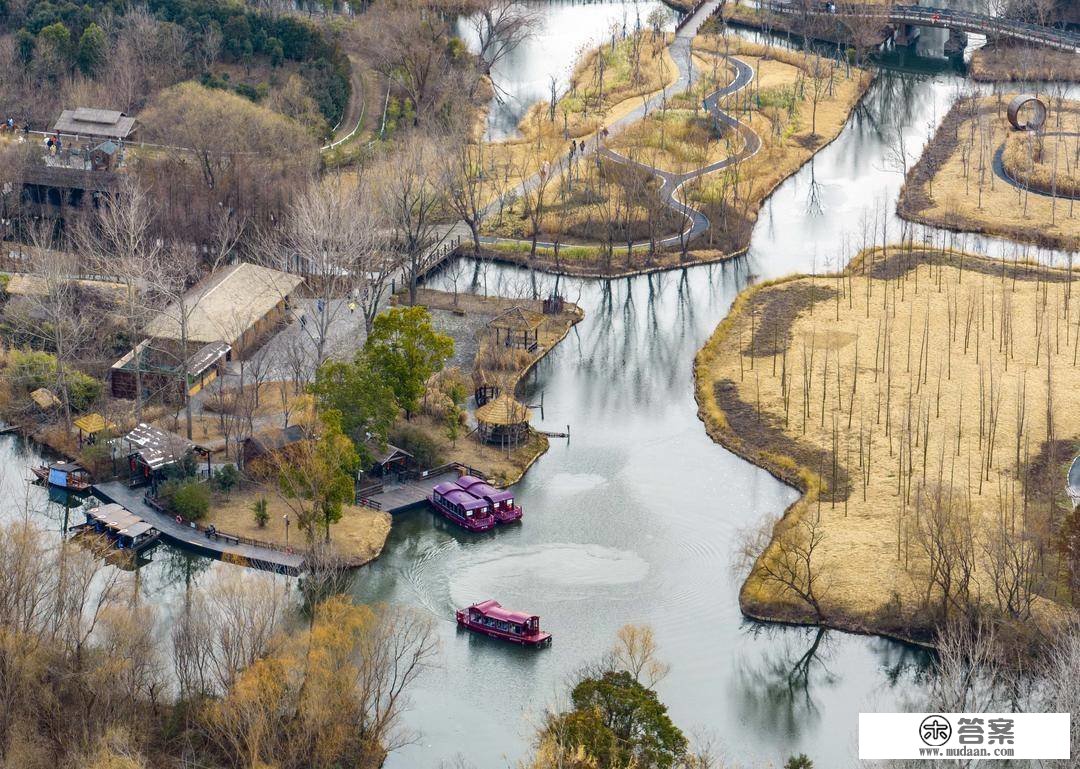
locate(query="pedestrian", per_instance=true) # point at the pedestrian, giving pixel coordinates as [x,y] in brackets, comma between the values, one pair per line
[303,321]
[352,307]
[321,305]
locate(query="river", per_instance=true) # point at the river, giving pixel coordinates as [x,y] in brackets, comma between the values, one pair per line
[637,517]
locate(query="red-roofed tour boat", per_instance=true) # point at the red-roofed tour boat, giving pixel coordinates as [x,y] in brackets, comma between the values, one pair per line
[461,507]
[501,500]
[490,618]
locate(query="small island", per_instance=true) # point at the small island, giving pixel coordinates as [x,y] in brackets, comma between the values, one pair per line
[919,400]
[980,173]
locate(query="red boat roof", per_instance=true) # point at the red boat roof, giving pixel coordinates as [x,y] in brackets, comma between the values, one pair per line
[492,608]
[480,488]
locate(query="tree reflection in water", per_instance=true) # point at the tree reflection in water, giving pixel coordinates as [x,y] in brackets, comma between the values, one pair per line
[776,689]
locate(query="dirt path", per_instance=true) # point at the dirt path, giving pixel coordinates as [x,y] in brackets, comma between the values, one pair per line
[353,116]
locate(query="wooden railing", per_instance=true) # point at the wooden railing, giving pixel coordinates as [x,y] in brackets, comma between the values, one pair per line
[235,539]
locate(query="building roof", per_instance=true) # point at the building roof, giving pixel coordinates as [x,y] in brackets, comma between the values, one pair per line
[108,147]
[227,304]
[44,398]
[503,410]
[95,122]
[93,423]
[24,284]
[157,447]
[274,440]
[388,454]
[517,318]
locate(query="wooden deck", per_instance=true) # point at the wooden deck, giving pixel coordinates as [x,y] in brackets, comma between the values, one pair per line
[184,536]
[397,497]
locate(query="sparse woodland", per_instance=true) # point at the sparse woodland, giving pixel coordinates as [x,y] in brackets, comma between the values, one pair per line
[921,399]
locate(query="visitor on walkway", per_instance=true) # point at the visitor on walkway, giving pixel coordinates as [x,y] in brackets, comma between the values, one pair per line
[352,307]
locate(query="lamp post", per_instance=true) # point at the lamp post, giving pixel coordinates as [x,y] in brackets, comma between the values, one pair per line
[286,517]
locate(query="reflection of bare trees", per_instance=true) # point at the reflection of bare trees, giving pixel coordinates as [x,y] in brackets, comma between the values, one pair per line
[779,690]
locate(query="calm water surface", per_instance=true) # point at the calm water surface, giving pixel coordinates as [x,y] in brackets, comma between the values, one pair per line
[637,517]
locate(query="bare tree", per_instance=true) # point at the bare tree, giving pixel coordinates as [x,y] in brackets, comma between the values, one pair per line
[791,562]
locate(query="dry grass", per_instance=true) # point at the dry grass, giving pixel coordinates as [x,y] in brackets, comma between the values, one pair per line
[359,536]
[944,347]
[584,109]
[778,106]
[954,185]
[501,467]
[999,62]
[1046,163]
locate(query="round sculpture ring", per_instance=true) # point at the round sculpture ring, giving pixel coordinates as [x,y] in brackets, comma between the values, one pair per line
[1037,117]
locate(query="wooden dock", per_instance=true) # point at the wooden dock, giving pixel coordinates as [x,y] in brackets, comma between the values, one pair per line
[398,496]
[186,536]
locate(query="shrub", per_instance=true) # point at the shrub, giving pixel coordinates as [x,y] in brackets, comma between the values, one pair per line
[261,511]
[187,498]
[32,369]
[227,478]
[423,448]
[97,459]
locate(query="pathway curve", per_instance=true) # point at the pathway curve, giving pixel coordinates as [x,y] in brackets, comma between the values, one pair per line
[680,50]
[353,114]
[999,170]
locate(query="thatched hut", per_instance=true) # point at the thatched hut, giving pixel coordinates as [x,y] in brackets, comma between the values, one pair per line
[503,421]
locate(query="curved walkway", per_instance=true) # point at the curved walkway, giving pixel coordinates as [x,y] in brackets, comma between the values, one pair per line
[999,170]
[353,115]
[680,52]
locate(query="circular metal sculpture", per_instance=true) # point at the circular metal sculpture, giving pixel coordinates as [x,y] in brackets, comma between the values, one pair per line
[1037,117]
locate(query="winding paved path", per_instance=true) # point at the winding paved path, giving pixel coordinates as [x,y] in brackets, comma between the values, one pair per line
[680,50]
[999,169]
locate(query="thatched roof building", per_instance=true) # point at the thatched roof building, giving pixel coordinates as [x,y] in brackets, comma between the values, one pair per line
[100,123]
[503,420]
[517,327]
[235,306]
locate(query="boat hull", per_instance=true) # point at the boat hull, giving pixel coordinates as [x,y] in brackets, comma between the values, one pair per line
[536,640]
[471,524]
[510,515]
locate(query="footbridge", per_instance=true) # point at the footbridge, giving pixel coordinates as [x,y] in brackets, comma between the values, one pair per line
[993,27]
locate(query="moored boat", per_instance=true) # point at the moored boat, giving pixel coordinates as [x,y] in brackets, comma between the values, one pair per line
[501,500]
[64,475]
[122,528]
[491,619]
[461,507]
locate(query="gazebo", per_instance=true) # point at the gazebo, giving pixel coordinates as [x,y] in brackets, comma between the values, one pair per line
[503,421]
[517,327]
[89,425]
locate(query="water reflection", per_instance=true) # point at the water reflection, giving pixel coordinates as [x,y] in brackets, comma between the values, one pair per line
[566,28]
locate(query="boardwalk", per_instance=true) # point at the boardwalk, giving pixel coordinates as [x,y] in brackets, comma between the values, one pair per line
[680,50]
[189,538]
[397,497]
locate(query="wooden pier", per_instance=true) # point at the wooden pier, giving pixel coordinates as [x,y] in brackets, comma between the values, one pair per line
[185,535]
[399,496]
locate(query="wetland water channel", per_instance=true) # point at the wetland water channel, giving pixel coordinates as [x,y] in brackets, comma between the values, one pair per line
[637,517]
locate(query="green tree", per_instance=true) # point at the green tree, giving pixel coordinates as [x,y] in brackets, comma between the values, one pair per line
[227,478]
[186,497]
[619,722]
[364,400]
[799,762]
[261,511]
[316,477]
[54,47]
[91,54]
[405,349]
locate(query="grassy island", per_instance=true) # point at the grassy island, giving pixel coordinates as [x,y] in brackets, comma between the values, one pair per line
[921,402]
[481,361]
[978,174]
[796,104]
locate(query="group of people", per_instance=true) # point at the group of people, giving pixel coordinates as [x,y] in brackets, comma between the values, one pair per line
[9,125]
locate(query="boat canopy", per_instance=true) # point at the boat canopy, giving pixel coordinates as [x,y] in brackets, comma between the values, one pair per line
[492,608]
[464,499]
[480,488]
[119,520]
